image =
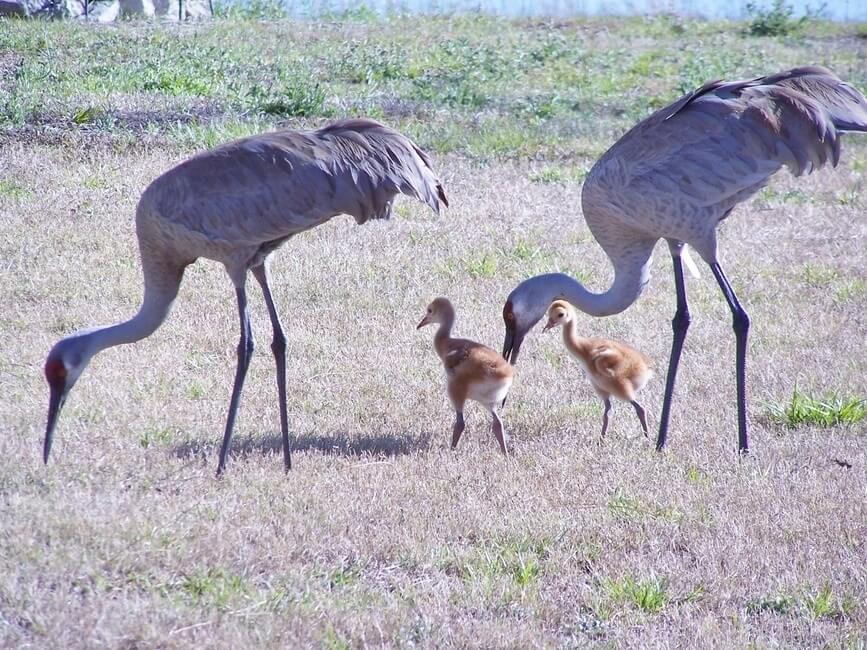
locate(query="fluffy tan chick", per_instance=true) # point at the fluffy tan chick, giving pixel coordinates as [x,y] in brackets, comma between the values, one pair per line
[473,371]
[614,368]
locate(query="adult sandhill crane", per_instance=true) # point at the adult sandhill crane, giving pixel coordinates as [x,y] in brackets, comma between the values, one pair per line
[676,175]
[237,204]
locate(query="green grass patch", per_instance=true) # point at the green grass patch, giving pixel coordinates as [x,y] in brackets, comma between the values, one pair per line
[485,87]
[852,290]
[291,98]
[482,267]
[776,20]
[525,258]
[155,436]
[87,115]
[505,563]
[819,276]
[558,174]
[212,588]
[824,604]
[343,576]
[195,390]
[828,411]
[816,604]
[696,476]
[13,190]
[650,596]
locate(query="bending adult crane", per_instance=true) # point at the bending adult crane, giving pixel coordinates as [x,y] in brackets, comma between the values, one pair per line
[237,204]
[676,175]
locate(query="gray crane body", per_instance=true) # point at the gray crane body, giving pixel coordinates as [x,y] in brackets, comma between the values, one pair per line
[238,202]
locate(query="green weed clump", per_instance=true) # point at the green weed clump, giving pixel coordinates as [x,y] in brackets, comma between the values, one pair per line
[831,410]
[650,596]
[777,20]
[293,98]
[824,604]
[816,604]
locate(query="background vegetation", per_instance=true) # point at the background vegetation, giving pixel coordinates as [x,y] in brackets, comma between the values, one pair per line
[380,535]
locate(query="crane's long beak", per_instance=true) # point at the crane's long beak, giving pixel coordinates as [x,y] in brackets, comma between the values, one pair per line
[55,403]
[512,345]
[424,321]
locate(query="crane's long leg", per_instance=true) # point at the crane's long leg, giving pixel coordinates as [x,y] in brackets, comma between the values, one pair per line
[458,428]
[639,410]
[278,347]
[607,402]
[245,351]
[497,429]
[679,324]
[741,326]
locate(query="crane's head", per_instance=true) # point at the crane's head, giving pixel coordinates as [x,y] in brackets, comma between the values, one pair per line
[559,313]
[525,307]
[67,359]
[439,310]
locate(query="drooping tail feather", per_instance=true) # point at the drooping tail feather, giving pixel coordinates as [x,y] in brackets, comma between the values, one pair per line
[846,106]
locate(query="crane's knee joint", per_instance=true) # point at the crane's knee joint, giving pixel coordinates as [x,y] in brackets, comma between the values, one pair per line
[246,348]
[278,344]
[681,320]
[741,322]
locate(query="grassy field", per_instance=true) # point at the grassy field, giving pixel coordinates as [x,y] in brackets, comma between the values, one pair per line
[381,536]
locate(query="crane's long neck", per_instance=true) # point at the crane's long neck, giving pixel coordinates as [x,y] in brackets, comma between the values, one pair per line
[70,356]
[444,333]
[576,344]
[537,293]
[155,307]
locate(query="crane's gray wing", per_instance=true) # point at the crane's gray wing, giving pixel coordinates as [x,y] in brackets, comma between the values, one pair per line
[267,187]
[382,159]
[715,147]
[845,105]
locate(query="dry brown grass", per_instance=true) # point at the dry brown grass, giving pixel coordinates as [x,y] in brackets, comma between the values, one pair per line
[381,535]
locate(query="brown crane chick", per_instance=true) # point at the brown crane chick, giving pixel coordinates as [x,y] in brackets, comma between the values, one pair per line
[473,371]
[612,367]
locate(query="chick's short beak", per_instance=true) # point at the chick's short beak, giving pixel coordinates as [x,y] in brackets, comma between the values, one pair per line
[424,321]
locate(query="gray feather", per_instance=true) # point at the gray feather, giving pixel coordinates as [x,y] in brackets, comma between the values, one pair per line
[681,170]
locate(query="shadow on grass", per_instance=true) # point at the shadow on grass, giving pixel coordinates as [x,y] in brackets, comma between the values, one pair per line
[339,443]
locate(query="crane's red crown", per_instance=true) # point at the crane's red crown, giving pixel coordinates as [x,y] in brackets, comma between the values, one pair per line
[55,371]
